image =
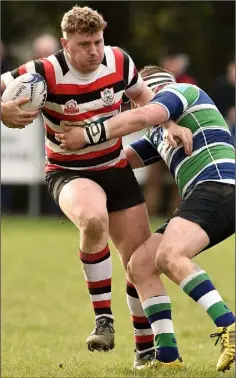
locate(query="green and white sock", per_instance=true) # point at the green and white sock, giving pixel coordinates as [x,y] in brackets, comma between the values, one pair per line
[158,311]
[199,287]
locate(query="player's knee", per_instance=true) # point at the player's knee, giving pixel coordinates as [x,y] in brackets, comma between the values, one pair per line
[92,224]
[131,271]
[125,260]
[165,259]
[139,267]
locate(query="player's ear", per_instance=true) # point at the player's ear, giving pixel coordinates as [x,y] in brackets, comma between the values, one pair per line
[64,43]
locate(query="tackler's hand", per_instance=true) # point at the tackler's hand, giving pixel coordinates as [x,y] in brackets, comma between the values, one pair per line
[72,138]
[178,133]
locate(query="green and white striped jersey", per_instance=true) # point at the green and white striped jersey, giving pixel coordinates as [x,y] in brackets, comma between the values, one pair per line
[213,157]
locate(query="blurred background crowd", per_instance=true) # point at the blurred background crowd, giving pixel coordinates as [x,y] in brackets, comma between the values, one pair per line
[193,40]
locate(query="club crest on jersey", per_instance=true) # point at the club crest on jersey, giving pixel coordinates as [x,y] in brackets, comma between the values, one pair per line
[71,107]
[108,96]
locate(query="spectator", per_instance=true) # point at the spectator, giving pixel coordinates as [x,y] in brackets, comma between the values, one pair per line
[178,64]
[223,94]
[7,63]
[44,45]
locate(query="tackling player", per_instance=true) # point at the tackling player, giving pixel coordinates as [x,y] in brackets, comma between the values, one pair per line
[205,216]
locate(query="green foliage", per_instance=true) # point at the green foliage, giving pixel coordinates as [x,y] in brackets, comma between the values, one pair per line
[203,30]
[146,29]
[23,19]
[46,312]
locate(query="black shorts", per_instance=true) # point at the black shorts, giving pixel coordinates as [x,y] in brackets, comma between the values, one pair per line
[119,184]
[212,206]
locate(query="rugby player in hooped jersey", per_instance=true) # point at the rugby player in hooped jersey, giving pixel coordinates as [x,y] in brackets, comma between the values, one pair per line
[205,216]
[86,81]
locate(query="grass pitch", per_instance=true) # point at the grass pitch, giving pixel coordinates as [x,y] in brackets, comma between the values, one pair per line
[46,312]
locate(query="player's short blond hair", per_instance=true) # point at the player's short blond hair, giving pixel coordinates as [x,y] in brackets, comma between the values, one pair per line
[83,20]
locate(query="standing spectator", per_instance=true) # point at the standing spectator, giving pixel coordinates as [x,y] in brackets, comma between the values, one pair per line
[178,64]
[45,45]
[223,94]
[7,63]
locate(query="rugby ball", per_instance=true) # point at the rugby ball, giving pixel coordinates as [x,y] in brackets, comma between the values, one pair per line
[30,85]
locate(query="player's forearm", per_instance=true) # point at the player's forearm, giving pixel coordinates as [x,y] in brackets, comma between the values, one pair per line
[134,120]
[126,123]
[116,127]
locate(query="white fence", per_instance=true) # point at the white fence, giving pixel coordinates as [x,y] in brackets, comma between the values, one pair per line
[22,160]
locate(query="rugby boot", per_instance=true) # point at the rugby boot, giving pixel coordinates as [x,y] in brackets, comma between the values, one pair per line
[156,364]
[226,335]
[102,337]
[142,359]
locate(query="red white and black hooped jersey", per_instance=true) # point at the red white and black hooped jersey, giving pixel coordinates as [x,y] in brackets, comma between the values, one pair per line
[79,100]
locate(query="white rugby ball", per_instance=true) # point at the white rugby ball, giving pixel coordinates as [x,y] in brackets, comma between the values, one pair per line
[30,85]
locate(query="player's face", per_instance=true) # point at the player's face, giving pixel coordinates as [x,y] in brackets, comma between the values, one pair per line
[84,51]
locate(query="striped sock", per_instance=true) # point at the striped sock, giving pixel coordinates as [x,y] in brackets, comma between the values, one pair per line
[158,312]
[199,287]
[143,335]
[97,269]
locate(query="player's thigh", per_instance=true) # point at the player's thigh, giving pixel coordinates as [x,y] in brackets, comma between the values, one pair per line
[128,229]
[82,198]
[182,237]
[203,219]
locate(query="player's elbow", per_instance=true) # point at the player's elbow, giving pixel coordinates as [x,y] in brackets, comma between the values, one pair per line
[154,114]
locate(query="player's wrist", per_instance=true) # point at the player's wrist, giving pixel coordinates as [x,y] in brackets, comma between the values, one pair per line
[96,133]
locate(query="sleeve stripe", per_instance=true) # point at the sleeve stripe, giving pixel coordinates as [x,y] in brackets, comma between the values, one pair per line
[30,66]
[180,96]
[119,59]
[62,61]
[125,64]
[15,73]
[133,82]
[145,150]
[135,86]
[39,68]
[50,76]
[132,71]
[126,67]
[104,61]
[22,69]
